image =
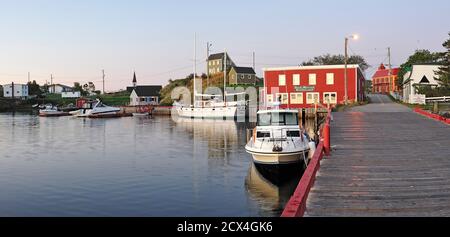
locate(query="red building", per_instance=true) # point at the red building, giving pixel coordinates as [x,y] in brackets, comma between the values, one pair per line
[385,80]
[302,87]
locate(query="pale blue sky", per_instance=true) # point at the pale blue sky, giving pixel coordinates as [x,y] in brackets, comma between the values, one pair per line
[76,39]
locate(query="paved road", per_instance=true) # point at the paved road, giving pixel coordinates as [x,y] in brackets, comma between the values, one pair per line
[381,103]
[387,161]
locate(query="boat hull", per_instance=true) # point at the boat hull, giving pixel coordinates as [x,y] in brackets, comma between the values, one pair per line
[211,113]
[53,114]
[275,158]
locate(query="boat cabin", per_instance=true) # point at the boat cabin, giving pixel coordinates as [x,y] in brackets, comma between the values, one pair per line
[278,118]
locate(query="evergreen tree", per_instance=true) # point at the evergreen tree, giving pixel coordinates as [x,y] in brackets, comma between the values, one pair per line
[443,75]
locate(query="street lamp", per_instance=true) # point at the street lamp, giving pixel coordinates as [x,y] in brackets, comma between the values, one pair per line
[354,37]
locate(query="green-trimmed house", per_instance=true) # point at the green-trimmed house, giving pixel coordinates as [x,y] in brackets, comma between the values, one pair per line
[242,75]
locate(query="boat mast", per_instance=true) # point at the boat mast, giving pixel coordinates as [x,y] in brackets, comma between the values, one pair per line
[225,79]
[195,67]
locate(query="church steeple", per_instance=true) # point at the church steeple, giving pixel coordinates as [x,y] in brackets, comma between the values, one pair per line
[134,80]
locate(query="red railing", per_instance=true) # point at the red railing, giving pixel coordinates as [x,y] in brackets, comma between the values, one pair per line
[296,206]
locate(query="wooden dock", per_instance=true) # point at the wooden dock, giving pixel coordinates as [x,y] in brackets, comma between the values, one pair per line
[386,161]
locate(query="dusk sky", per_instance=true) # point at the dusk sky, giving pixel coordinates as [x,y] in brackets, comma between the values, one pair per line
[75,40]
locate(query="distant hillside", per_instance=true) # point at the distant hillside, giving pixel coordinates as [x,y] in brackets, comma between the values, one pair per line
[214,81]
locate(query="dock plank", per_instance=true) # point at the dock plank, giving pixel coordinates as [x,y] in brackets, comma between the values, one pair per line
[386,161]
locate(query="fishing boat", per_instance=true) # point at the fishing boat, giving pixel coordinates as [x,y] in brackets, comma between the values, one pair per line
[278,139]
[51,111]
[96,109]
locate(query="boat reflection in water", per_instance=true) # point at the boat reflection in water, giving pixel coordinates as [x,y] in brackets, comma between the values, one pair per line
[272,187]
[222,136]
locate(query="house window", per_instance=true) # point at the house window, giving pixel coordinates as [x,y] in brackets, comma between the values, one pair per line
[283,98]
[242,76]
[296,98]
[249,76]
[312,79]
[330,78]
[330,97]
[282,80]
[312,98]
[296,79]
[7,92]
[269,99]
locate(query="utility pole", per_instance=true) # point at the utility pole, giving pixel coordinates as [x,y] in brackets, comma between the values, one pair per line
[51,83]
[29,77]
[345,71]
[103,71]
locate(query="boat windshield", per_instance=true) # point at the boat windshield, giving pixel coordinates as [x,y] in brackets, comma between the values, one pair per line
[278,119]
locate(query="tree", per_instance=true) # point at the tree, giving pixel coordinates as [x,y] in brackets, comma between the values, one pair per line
[419,56]
[443,75]
[329,59]
[34,88]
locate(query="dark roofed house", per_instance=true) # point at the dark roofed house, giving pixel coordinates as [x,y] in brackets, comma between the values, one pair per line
[242,75]
[144,95]
[216,62]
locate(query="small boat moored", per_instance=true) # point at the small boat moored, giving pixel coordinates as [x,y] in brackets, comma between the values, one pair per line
[278,139]
[96,109]
[51,111]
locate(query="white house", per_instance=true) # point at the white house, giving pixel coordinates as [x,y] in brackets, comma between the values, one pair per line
[144,95]
[15,90]
[418,75]
[59,89]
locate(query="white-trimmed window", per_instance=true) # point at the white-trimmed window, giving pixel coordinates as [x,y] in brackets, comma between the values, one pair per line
[242,76]
[282,80]
[283,98]
[330,97]
[296,79]
[312,97]
[330,78]
[269,99]
[297,98]
[312,79]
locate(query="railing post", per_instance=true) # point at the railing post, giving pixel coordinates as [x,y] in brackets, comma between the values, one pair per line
[326,139]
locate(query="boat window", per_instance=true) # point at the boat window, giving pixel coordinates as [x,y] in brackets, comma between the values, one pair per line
[264,119]
[262,134]
[291,119]
[293,133]
[277,119]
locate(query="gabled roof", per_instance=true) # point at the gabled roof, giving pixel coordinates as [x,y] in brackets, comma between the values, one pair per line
[216,56]
[61,85]
[244,70]
[146,90]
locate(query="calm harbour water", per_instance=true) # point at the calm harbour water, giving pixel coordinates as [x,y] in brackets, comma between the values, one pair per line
[131,167]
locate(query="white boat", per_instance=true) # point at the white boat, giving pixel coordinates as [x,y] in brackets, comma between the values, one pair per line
[141,114]
[278,139]
[51,111]
[96,109]
[212,109]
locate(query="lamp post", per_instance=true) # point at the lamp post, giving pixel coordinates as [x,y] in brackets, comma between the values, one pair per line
[355,37]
